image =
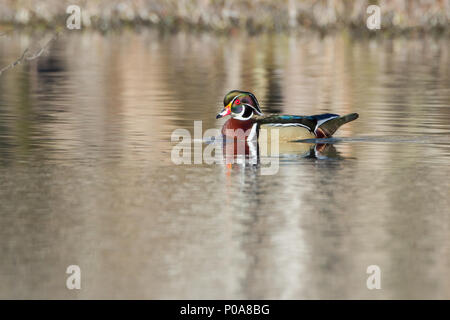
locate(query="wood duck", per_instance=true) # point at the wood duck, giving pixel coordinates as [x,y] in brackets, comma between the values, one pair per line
[243,107]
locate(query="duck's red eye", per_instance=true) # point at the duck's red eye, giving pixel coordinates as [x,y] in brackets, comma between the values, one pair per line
[237,101]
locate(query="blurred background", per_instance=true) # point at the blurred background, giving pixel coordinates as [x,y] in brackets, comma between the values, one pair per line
[225,15]
[86,176]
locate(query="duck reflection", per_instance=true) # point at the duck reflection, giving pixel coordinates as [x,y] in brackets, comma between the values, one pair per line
[251,152]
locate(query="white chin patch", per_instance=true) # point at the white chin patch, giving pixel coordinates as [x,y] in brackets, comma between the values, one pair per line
[240,115]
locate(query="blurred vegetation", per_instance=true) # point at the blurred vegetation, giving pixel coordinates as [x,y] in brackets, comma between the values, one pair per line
[399,16]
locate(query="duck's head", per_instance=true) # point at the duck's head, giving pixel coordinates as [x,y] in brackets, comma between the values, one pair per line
[241,105]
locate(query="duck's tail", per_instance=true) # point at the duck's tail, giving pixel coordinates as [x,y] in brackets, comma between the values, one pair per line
[329,127]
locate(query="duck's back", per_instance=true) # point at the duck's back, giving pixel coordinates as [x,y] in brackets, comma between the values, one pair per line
[292,127]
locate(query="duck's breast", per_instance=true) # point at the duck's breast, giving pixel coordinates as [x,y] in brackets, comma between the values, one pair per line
[233,128]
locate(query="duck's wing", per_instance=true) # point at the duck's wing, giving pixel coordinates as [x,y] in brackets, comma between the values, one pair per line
[308,122]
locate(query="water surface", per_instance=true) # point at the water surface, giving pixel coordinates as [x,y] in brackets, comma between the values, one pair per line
[86,174]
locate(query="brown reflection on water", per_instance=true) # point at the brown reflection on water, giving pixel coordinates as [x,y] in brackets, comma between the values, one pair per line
[86,176]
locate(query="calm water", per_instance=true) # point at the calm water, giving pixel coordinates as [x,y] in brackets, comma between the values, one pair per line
[86,175]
